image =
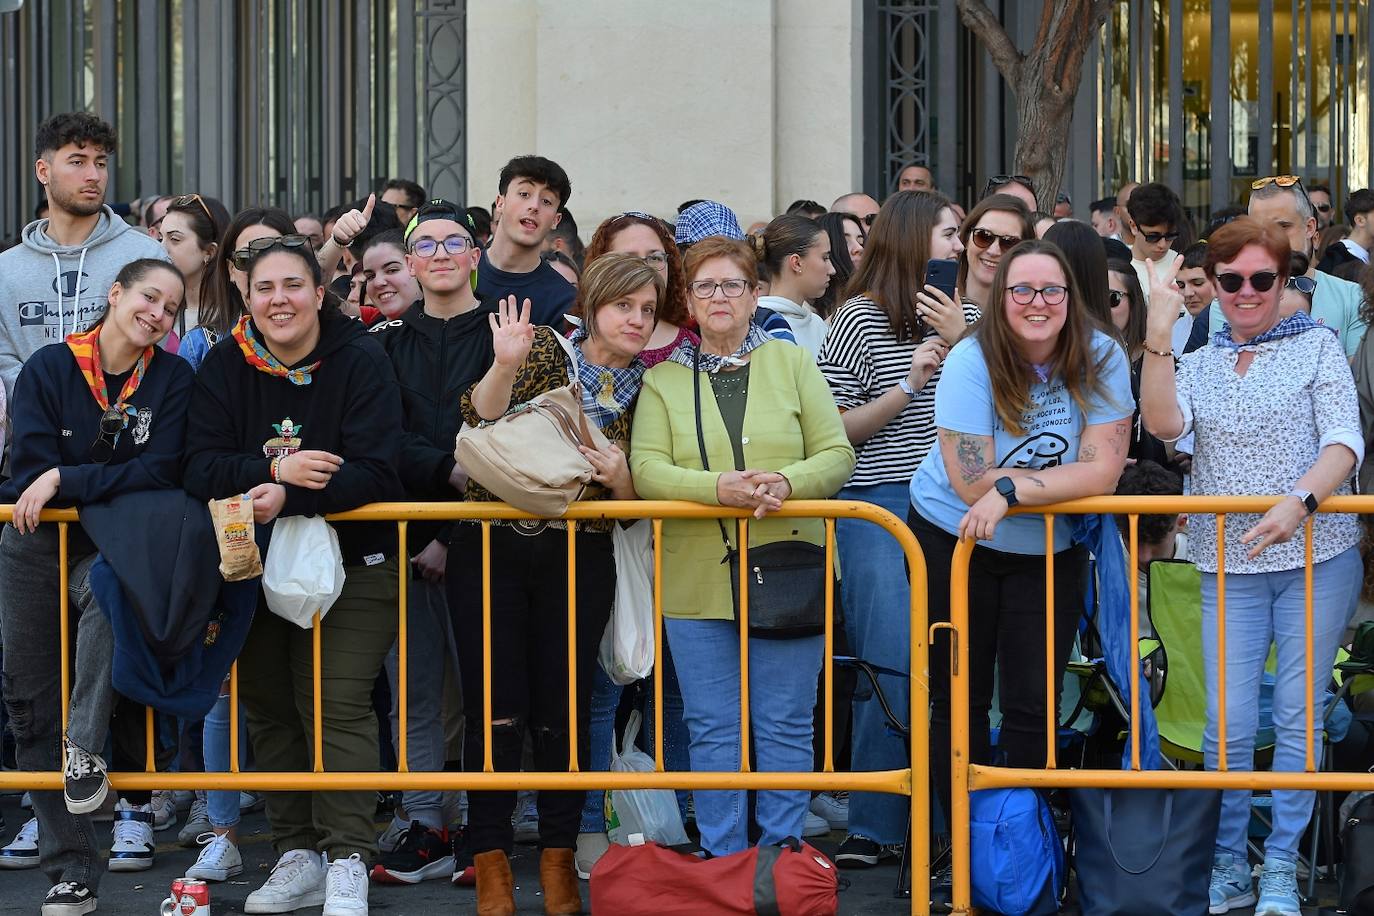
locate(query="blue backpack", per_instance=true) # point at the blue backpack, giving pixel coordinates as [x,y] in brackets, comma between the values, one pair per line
[1015,856]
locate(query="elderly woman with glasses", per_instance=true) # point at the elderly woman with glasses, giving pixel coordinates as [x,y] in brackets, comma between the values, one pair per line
[1272,407]
[746,421]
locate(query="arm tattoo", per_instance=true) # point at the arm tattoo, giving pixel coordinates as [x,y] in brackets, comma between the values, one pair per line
[968,450]
[1037,481]
[1087,453]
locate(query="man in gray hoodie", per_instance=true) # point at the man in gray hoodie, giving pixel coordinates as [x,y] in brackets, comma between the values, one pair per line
[56,282]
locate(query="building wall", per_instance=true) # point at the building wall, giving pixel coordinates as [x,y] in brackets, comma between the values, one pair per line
[752,102]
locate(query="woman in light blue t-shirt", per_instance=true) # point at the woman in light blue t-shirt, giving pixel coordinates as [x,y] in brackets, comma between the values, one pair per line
[1033,407]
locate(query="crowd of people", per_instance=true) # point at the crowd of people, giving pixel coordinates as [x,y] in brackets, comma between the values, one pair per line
[946,364]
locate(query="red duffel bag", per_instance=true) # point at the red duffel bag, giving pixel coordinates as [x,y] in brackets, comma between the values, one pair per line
[794,879]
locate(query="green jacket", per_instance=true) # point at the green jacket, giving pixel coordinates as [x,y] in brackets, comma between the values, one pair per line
[791,426]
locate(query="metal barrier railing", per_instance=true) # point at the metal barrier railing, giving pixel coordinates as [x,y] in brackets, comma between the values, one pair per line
[911,782]
[967,777]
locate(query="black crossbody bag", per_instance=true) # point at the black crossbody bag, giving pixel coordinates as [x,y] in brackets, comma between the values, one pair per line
[786,578]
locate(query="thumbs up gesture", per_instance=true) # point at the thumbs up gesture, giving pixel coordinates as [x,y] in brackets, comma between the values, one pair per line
[352,223]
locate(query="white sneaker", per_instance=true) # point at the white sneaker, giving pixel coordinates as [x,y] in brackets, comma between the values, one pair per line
[132,848]
[164,810]
[833,808]
[815,825]
[219,859]
[297,880]
[22,851]
[590,848]
[345,888]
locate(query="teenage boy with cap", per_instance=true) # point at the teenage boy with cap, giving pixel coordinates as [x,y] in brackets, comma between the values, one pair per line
[533,193]
[439,347]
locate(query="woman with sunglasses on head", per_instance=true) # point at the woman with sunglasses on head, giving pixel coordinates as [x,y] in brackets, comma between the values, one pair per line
[881,361]
[99,415]
[1033,408]
[1272,408]
[224,289]
[990,230]
[647,237]
[298,408]
[190,232]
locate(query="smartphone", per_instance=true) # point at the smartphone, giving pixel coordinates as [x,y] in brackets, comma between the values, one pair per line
[941,273]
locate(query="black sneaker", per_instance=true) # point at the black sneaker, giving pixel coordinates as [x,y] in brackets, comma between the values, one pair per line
[861,852]
[421,854]
[70,898]
[84,784]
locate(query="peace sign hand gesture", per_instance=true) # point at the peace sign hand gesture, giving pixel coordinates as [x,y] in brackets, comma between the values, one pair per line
[1166,301]
[512,334]
[352,223]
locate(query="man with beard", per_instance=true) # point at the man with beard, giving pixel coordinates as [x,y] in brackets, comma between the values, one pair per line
[55,283]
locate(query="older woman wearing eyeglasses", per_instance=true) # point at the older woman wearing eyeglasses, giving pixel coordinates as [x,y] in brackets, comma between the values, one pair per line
[99,415]
[741,420]
[1272,407]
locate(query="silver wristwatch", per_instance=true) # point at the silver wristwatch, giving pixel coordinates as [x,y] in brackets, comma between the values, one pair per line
[906,386]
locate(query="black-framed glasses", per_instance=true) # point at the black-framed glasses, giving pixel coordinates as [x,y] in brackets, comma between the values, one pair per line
[1116,296]
[428,248]
[111,424]
[1025,295]
[997,181]
[1324,208]
[1154,238]
[705,289]
[1261,281]
[258,247]
[984,238]
[1305,285]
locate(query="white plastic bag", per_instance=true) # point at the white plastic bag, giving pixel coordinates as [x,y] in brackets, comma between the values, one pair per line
[304,570]
[627,645]
[650,812]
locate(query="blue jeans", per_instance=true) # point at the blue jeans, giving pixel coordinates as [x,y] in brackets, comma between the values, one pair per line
[223,804]
[782,693]
[877,621]
[1264,609]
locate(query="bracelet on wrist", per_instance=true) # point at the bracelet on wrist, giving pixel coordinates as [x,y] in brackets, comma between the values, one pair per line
[276,470]
[333,238]
[1149,349]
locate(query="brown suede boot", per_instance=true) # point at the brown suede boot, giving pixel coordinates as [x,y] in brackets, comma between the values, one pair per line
[559,880]
[495,894]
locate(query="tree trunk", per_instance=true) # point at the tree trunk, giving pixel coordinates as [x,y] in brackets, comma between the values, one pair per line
[1042,137]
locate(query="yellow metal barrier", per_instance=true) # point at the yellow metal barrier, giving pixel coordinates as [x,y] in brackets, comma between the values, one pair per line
[967,777]
[911,782]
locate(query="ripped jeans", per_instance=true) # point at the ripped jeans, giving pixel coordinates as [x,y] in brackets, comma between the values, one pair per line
[529,666]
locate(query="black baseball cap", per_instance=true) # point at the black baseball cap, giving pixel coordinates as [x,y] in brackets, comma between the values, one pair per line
[438,208]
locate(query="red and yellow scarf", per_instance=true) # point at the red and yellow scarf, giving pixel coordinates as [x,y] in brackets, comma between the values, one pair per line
[261,359]
[86,349]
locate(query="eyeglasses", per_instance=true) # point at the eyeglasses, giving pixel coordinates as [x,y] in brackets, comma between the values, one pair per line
[705,289]
[997,181]
[186,200]
[656,259]
[984,238]
[258,247]
[1305,285]
[1115,297]
[111,423]
[1025,295]
[1154,238]
[1283,181]
[428,248]
[1260,282]
[1325,208]
[637,214]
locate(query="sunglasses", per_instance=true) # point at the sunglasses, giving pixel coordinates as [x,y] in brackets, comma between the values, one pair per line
[997,181]
[1154,238]
[258,247]
[428,248]
[1283,181]
[1324,208]
[1305,285]
[984,238]
[111,424]
[186,200]
[1260,282]
[1115,297]
[1025,295]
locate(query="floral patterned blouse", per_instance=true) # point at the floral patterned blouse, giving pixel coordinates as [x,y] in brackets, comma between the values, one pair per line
[1259,432]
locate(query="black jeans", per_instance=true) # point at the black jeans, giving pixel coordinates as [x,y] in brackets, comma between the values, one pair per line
[529,665]
[1006,634]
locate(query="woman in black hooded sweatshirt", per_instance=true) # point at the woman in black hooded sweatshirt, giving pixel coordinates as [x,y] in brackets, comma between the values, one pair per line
[299,408]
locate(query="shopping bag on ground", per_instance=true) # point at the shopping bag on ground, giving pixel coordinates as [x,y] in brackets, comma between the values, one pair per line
[627,645]
[304,571]
[653,813]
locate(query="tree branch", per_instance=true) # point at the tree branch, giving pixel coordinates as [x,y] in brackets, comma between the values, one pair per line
[981,22]
[1069,70]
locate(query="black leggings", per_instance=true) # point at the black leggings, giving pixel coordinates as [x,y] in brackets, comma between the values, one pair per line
[1006,633]
[529,666]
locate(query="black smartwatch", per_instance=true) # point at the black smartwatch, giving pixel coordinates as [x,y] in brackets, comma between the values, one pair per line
[1308,501]
[1007,487]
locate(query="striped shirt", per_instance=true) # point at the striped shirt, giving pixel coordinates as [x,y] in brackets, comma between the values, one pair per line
[862,360]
